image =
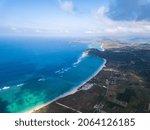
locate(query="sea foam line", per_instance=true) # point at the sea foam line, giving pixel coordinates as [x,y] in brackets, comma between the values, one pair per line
[84,54]
[20,85]
[8,87]
[5,88]
[74,90]
[61,71]
[41,79]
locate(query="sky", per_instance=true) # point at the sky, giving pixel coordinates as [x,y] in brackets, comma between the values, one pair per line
[74,17]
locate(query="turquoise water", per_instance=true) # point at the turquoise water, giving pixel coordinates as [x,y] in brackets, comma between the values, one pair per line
[34,71]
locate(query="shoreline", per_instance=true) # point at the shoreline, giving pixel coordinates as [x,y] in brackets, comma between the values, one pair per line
[120,76]
[74,90]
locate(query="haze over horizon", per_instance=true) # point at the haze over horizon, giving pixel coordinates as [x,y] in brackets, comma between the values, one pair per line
[74,17]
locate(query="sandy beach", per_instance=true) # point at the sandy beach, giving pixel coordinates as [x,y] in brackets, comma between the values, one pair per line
[73,91]
[113,85]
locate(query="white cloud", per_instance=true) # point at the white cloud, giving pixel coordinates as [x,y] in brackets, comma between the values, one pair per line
[66,5]
[109,26]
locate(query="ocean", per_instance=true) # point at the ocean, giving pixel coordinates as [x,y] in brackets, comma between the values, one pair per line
[35,71]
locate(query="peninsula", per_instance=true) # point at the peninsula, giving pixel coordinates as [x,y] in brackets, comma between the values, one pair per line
[121,86]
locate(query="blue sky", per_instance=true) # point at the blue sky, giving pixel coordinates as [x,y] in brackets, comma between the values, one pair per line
[74,17]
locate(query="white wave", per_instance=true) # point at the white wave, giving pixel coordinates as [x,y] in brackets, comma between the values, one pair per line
[41,79]
[57,72]
[67,69]
[62,70]
[20,85]
[84,54]
[8,87]
[5,88]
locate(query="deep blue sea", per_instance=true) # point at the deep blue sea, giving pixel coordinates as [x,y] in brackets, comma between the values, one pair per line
[34,71]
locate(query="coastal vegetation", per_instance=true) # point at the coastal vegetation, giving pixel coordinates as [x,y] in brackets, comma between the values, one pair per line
[122,86]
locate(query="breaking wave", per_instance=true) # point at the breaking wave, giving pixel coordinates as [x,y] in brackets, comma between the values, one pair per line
[20,85]
[84,54]
[61,71]
[8,87]
[5,88]
[41,79]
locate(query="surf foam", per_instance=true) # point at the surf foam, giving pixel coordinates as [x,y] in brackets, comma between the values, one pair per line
[84,54]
